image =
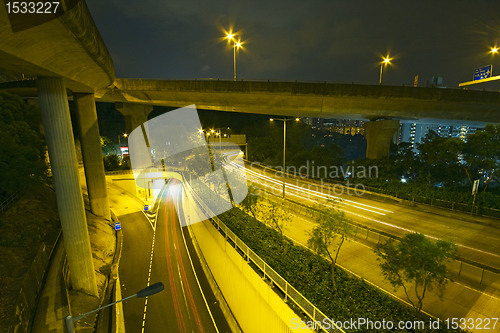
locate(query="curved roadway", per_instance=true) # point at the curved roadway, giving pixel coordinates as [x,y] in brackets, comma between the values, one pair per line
[477,242]
[160,250]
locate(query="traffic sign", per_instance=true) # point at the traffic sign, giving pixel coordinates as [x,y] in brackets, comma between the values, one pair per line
[475,187]
[483,72]
[147,207]
[118,226]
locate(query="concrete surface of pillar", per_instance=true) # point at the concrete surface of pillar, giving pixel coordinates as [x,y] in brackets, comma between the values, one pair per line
[92,154]
[378,137]
[135,114]
[59,136]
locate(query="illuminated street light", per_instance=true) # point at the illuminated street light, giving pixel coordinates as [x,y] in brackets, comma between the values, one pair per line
[494,50]
[220,135]
[69,321]
[284,120]
[386,61]
[120,135]
[236,44]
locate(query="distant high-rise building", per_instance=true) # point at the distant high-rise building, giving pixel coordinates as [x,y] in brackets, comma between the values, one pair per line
[342,126]
[414,132]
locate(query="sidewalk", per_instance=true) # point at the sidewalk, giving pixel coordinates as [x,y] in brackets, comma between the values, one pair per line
[53,305]
[459,301]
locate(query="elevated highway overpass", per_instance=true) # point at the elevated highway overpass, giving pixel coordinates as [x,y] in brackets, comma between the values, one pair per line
[311,99]
[384,106]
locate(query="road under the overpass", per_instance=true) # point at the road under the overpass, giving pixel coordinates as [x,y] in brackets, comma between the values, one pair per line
[161,250]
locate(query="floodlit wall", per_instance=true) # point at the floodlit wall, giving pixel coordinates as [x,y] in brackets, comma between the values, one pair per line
[256,307]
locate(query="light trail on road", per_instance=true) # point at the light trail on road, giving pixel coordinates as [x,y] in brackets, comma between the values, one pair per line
[307,194]
[162,251]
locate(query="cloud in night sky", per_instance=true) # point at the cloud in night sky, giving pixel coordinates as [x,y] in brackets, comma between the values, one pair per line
[340,41]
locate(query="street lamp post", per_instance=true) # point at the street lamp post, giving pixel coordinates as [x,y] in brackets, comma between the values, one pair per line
[235,45]
[124,135]
[220,135]
[494,50]
[69,321]
[284,120]
[385,62]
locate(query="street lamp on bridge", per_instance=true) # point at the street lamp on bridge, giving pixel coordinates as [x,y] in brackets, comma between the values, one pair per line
[386,61]
[284,120]
[236,44]
[219,133]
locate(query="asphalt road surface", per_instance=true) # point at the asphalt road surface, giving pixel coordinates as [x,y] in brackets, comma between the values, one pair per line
[477,242]
[160,250]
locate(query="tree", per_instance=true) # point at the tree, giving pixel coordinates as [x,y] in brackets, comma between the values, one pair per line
[249,204]
[106,146]
[22,152]
[327,237]
[111,162]
[418,262]
[482,152]
[264,150]
[276,215]
[442,158]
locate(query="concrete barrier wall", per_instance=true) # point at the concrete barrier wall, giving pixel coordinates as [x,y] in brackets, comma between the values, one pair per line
[26,301]
[471,273]
[256,307]
[491,279]
[454,267]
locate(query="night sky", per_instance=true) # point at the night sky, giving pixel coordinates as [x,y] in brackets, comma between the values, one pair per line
[338,41]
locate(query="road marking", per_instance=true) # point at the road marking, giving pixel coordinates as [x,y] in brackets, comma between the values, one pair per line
[196,275]
[410,230]
[150,263]
[183,291]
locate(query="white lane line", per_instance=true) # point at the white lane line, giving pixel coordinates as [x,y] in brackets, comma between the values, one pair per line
[412,231]
[194,271]
[150,261]
[183,292]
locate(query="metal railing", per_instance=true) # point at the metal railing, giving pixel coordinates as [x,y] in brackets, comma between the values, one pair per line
[9,201]
[119,172]
[267,271]
[31,287]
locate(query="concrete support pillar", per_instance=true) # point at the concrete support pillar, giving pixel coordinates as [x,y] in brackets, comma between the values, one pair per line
[59,136]
[135,114]
[92,155]
[378,137]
